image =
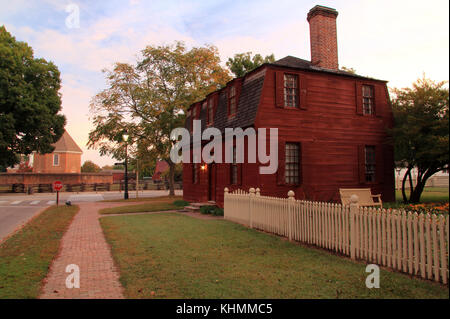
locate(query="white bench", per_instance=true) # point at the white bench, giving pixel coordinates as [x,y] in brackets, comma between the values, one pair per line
[364,194]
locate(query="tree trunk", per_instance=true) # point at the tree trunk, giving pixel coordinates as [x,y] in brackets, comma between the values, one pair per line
[405,177]
[414,197]
[421,182]
[171,178]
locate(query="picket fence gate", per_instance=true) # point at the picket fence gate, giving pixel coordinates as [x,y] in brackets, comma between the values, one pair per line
[417,244]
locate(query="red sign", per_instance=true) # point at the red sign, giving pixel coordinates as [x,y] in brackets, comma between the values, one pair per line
[57,186]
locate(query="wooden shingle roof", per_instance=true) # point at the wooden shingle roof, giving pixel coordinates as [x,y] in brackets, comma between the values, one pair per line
[66,144]
[252,84]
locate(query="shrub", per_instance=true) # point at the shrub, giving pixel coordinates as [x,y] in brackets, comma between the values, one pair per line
[181,203]
[211,210]
[206,210]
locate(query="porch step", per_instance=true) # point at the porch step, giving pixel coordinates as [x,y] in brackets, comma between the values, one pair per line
[195,207]
[191,208]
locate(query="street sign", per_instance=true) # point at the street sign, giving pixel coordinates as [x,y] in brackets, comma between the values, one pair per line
[57,186]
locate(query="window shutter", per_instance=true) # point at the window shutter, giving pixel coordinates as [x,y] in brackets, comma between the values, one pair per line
[361,164]
[281,163]
[379,168]
[303,92]
[279,89]
[358,96]
[380,100]
[300,164]
[238,84]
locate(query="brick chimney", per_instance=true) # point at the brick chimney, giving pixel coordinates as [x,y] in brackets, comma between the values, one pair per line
[322,27]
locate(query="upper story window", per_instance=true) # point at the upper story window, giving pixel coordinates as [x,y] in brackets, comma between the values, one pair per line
[210,111]
[292,164]
[232,100]
[291,90]
[370,161]
[368,100]
[55,159]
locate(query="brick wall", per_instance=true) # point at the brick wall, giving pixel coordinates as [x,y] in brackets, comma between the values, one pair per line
[323,37]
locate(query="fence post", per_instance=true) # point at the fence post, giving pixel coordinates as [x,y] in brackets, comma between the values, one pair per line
[251,198]
[291,195]
[354,208]
[258,192]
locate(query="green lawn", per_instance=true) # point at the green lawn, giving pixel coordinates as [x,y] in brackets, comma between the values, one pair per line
[430,194]
[171,255]
[25,257]
[146,199]
[141,208]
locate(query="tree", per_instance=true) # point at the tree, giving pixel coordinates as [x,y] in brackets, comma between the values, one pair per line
[90,167]
[349,70]
[149,100]
[420,134]
[29,101]
[243,63]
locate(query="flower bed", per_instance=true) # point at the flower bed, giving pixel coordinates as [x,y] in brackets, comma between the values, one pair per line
[432,208]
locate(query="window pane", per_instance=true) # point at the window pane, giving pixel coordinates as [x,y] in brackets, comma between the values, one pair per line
[370,163]
[290,90]
[292,161]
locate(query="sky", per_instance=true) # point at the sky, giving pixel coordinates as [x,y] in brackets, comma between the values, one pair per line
[393,40]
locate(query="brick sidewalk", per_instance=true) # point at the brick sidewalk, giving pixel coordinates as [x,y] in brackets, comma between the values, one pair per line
[84,245]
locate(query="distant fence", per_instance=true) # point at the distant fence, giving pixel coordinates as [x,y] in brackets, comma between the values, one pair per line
[95,187]
[417,244]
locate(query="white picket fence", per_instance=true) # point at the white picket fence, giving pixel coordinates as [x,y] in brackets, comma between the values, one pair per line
[417,244]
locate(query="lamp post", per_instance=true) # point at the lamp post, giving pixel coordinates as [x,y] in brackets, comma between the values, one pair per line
[125,138]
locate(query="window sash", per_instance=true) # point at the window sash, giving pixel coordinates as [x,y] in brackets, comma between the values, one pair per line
[370,163]
[55,159]
[291,98]
[368,99]
[232,100]
[292,163]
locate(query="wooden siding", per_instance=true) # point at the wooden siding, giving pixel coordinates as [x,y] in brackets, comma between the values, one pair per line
[330,130]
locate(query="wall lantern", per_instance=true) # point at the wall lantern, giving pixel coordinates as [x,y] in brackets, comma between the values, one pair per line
[203,167]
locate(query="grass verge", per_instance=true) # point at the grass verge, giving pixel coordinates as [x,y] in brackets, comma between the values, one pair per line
[174,256]
[25,257]
[145,199]
[430,194]
[141,208]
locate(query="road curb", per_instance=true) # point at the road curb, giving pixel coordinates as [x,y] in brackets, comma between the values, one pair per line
[23,224]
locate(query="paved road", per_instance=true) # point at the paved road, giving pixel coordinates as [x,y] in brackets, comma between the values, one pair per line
[17,209]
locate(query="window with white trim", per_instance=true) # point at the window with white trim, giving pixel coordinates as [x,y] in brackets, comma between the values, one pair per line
[292,164]
[368,100]
[232,100]
[290,90]
[370,163]
[55,159]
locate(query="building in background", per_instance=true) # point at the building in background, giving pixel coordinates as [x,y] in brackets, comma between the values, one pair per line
[66,158]
[161,168]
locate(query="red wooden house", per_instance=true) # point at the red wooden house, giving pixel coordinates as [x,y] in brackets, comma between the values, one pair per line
[331,126]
